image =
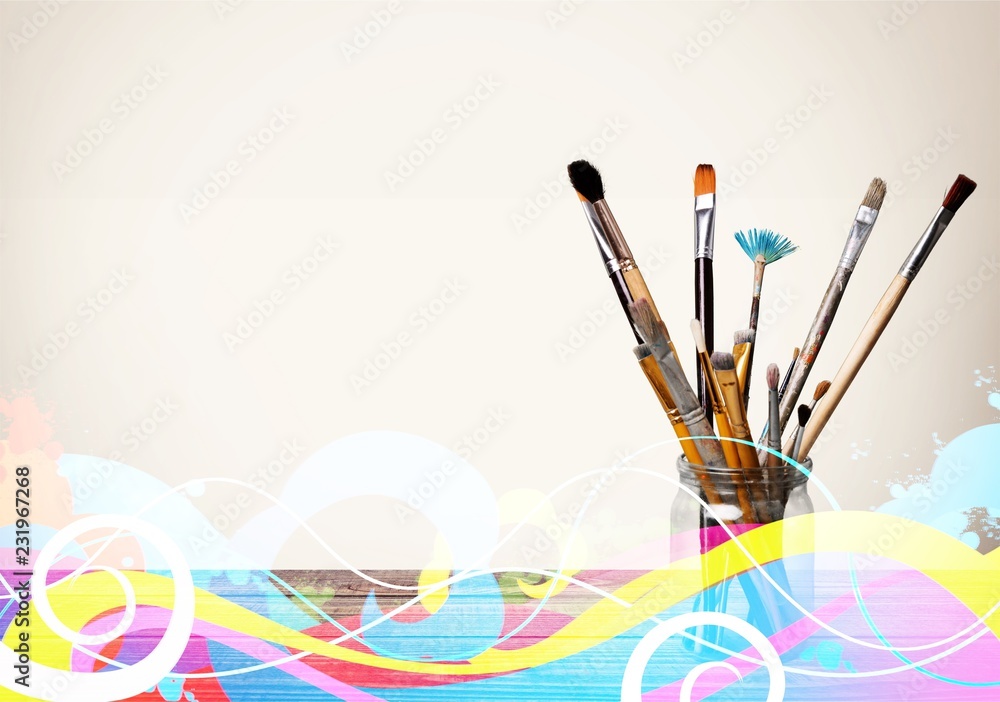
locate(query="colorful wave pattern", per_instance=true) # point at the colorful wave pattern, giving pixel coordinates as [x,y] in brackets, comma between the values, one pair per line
[873,606]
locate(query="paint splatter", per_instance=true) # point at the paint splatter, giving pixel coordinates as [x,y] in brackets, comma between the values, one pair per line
[857,451]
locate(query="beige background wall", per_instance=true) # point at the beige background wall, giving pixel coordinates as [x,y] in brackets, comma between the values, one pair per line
[913,98]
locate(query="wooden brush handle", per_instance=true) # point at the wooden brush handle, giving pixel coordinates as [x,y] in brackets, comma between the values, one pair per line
[637,288]
[758,283]
[655,377]
[733,459]
[814,341]
[659,385]
[737,417]
[621,290]
[852,364]
[726,432]
[748,457]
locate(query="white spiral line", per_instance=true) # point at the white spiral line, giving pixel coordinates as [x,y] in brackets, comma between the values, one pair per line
[636,666]
[558,575]
[130,680]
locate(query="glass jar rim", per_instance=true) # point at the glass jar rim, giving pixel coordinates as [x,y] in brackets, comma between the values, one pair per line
[786,473]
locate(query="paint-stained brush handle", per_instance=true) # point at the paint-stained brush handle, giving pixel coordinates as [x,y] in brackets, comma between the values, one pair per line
[852,364]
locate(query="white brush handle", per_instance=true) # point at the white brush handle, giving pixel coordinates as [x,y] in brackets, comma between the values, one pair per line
[852,364]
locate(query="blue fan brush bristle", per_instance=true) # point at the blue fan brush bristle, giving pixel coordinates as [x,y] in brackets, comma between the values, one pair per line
[763,242]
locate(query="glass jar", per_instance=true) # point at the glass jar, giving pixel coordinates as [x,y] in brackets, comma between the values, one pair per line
[743,499]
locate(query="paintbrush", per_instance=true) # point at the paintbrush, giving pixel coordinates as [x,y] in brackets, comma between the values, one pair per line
[686,401]
[742,345]
[610,259]
[704,250]
[773,433]
[804,413]
[725,371]
[659,385]
[856,239]
[959,192]
[817,395]
[588,184]
[763,247]
[715,396]
[788,373]
[762,454]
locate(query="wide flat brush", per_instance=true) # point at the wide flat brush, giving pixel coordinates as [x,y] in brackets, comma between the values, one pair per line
[959,192]
[725,371]
[680,389]
[743,342]
[704,252]
[864,221]
[715,396]
[652,371]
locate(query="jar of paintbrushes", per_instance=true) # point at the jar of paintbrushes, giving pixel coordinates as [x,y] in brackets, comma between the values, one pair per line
[730,483]
[713,506]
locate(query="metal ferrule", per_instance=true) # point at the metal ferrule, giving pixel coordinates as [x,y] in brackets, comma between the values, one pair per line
[704,226]
[614,234]
[600,236]
[773,420]
[915,261]
[693,415]
[856,240]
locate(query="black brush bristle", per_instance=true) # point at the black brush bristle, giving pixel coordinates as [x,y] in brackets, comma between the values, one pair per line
[586,180]
[804,413]
[959,193]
